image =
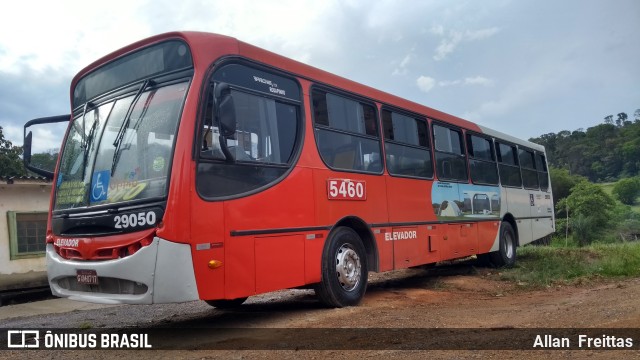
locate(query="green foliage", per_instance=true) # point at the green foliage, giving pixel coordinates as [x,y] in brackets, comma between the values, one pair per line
[589,200]
[604,152]
[562,182]
[591,212]
[561,226]
[10,161]
[627,190]
[622,212]
[45,160]
[629,230]
[540,266]
[583,229]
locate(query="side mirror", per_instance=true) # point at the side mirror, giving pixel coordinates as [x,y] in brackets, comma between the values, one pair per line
[226,110]
[26,150]
[47,161]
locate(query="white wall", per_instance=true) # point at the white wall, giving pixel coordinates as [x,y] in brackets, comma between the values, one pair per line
[21,196]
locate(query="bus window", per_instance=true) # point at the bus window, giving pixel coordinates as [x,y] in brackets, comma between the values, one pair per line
[450,159]
[482,164]
[260,124]
[261,147]
[529,174]
[406,145]
[543,174]
[346,133]
[263,134]
[508,166]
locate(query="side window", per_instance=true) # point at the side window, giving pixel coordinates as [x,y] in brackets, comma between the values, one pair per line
[406,145]
[482,163]
[265,131]
[508,166]
[450,158]
[543,173]
[529,174]
[250,131]
[346,133]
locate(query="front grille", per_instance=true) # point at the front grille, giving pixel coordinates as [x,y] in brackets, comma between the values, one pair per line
[107,285]
[115,252]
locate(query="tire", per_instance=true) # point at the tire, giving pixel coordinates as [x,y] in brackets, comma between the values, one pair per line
[344,269]
[506,254]
[226,304]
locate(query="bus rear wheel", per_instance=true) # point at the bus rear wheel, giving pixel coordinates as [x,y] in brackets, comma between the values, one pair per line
[506,254]
[344,269]
[225,303]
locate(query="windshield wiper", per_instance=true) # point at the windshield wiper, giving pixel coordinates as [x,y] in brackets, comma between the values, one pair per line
[83,133]
[88,139]
[125,124]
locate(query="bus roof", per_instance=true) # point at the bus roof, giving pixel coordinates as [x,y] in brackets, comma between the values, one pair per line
[204,44]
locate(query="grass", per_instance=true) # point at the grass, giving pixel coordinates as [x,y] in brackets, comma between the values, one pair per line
[608,188]
[542,266]
[85,325]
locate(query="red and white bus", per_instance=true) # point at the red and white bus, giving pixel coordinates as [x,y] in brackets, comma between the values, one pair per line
[196,166]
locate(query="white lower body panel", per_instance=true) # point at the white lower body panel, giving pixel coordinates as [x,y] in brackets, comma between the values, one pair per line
[161,272]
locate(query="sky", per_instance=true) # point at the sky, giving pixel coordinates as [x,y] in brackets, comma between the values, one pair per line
[523,67]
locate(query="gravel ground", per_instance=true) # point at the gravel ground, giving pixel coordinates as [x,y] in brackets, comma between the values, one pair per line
[459,296]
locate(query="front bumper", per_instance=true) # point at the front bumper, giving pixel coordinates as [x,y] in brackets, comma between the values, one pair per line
[161,272]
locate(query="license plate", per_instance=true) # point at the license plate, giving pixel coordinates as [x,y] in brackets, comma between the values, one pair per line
[87,277]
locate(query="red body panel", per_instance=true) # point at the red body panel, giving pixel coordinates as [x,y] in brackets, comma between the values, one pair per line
[254,263]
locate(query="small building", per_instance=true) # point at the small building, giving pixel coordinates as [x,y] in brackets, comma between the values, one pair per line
[24,203]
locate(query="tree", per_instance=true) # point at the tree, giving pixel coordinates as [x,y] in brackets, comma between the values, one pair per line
[562,182]
[608,119]
[622,117]
[46,160]
[627,190]
[10,161]
[605,152]
[590,210]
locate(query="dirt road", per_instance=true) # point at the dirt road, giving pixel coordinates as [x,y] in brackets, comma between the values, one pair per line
[459,296]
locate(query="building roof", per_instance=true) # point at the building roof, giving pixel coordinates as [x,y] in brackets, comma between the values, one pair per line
[24,179]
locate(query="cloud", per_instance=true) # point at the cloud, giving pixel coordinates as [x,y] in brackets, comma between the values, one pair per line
[30,95]
[55,36]
[49,136]
[401,69]
[447,46]
[478,80]
[426,83]
[437,30]
[480,34]
[449,43]
[518,94]
[13,133]
[527,75]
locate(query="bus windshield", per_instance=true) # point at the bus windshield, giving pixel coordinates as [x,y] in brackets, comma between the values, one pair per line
[120,150]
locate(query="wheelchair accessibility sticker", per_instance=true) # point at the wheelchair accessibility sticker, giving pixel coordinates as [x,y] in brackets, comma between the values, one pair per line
[100,185]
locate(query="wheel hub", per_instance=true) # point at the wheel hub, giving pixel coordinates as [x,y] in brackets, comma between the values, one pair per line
[348,267]
[508,243]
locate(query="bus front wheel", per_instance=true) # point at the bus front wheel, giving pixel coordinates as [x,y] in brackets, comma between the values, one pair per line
[506,254]
[344,269]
